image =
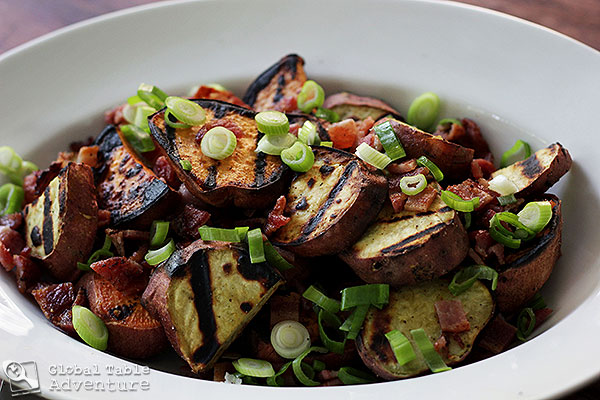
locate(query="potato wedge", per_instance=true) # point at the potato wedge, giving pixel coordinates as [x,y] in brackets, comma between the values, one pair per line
[275,87]
[205,295]
[409,247]
[60,225]
[245,179]
[454,160]
[527,269]
[411,308]
[539,172]
[348,105]
[330,205]
[127,188]
[132,332]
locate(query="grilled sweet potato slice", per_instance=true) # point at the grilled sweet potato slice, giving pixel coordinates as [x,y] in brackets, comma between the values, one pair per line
[330,205]
[413,308]
[454,160]
[127,188]
[60,225]
[132,332]
[205,295]
[539,172]
[408,247]
[277,87]
[245,179]
[527,269]
[348,105]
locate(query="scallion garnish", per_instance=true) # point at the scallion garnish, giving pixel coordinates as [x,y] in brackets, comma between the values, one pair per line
[298,370]
[455,202]
[536,215]
[521,231]
[253,367]
[100,254]
[326,318]
[520,151]
[308,134]
[311,96]
[501,184]
[537,302]
[326,144]
[141,117]
[372,156]
[299,157]
[186,165]
[277,380]
[400,346]
[327,114]
[290,339]
[221,234]
[134,100]
[186,110]
[467,220]
[525,323]
[272,123]
[437,173]
[506,200]
[158,233]
[355,321]
[90,328]
[504,239]
[274,258]
[316,296]
[318,365]
[138,138]
[274,145]
[256,246]
[11,198]
[218,143]
[412,185]
[174,124]
[151,95]
[353,376]
[129,113]
[449,121]
[389,141]
[433,360]
[13,166]
[466,277]
[423,111]
[371,294]
[155,257]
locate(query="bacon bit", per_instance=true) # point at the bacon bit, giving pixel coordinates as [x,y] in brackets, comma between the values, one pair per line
[294,128]
[332,382]
[482,242]
[541,315]
[441,345]
[475,257]
[27,272]
[470,189]
[81,298]
[187,223]
[276,219]
[398,200]
[139,254]
[287,104]
[6,258]
[35,183]
[327,375]
[88,155]
[13,221]
[225,123]
[115,116]
[265,351]
[372,140]
[456,133]
[56,302]
[103,218]
[451,316]
[207,92]
[163,169]
[498,251]
[474,140]
[125,275]
[497,335]
[403,167]
[343,134]
[11,239]
[481,168]
[220,369]
[421,201]
[364,127]
[285,308]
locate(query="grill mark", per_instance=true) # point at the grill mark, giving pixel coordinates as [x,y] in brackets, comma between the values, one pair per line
[288,63]
[279,92]
[531,167]
[311,183]
[420,214]
[410,239]
[120,312]
[47,225]
[259,272]
[211,180]
[302,204]
[201,286]
[35,236]
[133,171]
[326,170]
[260,164]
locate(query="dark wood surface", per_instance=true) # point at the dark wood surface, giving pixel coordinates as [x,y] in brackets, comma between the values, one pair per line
[23,20]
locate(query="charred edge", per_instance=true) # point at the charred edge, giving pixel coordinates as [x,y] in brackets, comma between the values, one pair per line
[531,167]
[201,286]
[211,179]
[221,108]
[311,183]
[280,85]
[246,307]
[380,346]
[47,224]
[260,272]
[314,221]
[35,236]
[260,164]
[107,141]
[151,193]
[175,265]
[289,62]
[62,195]
[326,169]
[120,312]
[400,246]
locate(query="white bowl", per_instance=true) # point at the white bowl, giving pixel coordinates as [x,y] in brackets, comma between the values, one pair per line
[516,79]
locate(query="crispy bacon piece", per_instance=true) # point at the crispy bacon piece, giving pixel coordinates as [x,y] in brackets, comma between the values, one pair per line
[497,335]
[541,315]
[115,116]
[118,238]
[498,250]
[470,189]
[12,240]
[125,275]
[421,201]
[285,308]
[13,221]
[474,140]
[276,219]
[220,369]
[441,345]
[56,302]
[372,140]
[27,272]
[482,241]
[363,127]
[451,316]
[287,105]
[343,134]
[163,169]
[207,92]
[327,375]
[187,223]
[6,258]
[481,168]
[35,183]
[88,155]
[398,200]
[403,167]
[225,123]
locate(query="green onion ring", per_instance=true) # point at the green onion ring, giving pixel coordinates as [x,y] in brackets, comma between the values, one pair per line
[335,322]
[299,157]
[413,185]
[174,125]
[186,110]
[466,277]
[155,257]
[316,296]
[297,366]
[311,96]
[433,360]
[525,323]
[370,294]
[423,111]
[437,173]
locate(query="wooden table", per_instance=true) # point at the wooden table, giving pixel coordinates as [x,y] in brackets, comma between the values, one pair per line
[22,20]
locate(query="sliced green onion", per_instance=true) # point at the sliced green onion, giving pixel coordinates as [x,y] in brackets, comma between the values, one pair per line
[242,232]
[466,277]
[134,100]
[433,360]
[217,86]
[28,167]
[299,157]
[254,368]
[100,254]
[455,202]
[272,123]
[423,111]
[129,113]
[525,323]
[520,151]
[412,185]
[290,339]
[186,110]
[430,165]
[151,95]
[449,121]
[318,365]
[174,124]
[536,215]
[467,220]
[218,143]
[141,117]
[311,96]
[11,165]
[378,293]
[11,198]
[186,165]
[90,328]
[334,322]
[275,259]
[221,234]
[327,114]
[277,380]
[389,141]
[353,376]
[503,239]
[316,296]
[155,257]
[521,231]
[274,145]
[400,346]
[308,134]
[326,144]
[501,184]
[537,302]
[297,366]
[256,246]
[138,138]
[506,200]
[355,322]
[372,156]
[158,233]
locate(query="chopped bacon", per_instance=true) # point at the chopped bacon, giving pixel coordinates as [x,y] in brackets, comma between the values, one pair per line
[475,257]
[163,169]
[6,258]
[333,382]
[225,123]
[497,335]
[403,167]
[451,316]
[481,168]
[441,345]
[139,254]
[482,242]
[285,308]
[265,351]
[541,315]
[88,155]
[118,238]
[187,223]
[372,140]
[398,200]
[77,145]
[35,183]
[11,239]
[363,127]
[287,104]
[207,92]
[294,128]
[498,251]
[27,272]
[115,116]
[470,189]
[125,275]
[56,302]
[474,140]
[343,134]
[421,201]
[276,219]
[327,375]
[13,221]
[220,369]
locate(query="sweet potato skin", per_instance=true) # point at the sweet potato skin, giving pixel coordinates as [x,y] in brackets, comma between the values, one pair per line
[349,105]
